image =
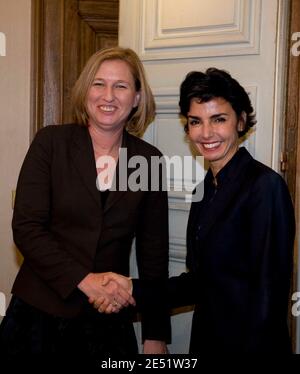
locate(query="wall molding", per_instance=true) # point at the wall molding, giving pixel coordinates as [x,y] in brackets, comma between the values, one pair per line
[240,36]
[177,249]
[167,99]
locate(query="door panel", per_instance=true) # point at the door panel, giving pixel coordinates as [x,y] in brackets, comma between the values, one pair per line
[66,33]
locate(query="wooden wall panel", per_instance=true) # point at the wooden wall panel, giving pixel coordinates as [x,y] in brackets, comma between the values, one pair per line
[66,33]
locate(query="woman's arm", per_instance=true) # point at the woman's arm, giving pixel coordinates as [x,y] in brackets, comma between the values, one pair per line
[32,220]
[152,259]
[32,224]
[272,230]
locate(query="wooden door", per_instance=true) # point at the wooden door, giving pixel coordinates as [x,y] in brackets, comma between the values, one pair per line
[65,34]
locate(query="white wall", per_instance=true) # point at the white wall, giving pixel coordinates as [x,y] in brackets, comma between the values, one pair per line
[15,23]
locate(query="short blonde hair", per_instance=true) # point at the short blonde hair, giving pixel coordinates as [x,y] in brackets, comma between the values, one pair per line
[142,115]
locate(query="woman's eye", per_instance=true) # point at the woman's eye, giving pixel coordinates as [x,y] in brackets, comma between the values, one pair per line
[121,85]
[98,84]
[193,122]
[220,119]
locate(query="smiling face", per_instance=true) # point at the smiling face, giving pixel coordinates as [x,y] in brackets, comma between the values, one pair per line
[213,128]
[112,96]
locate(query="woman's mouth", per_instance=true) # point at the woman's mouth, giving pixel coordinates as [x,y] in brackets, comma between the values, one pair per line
[211,145]
[107,108]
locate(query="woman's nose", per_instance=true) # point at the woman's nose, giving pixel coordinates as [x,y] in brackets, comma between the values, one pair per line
[108,93]
[207,130]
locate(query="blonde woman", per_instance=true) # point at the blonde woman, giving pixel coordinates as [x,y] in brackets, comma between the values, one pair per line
[71,226]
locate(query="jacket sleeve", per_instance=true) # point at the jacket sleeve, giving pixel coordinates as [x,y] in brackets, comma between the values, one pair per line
[272,228]
[152,251]
[181,290]
[32,220]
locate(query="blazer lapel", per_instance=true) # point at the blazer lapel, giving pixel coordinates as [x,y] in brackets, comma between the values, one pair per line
[82,155]
[238,175]
[116,195]
[113,196]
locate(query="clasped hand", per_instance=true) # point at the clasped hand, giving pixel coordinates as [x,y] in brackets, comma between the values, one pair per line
[108,292]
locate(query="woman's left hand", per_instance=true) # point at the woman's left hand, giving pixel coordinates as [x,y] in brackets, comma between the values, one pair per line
[154,347]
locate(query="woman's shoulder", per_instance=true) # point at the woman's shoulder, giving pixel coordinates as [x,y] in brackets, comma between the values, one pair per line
[266,188]
[265,176]
[59,129]
[58,133]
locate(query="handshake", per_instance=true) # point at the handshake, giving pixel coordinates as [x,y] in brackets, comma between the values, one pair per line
[108,292]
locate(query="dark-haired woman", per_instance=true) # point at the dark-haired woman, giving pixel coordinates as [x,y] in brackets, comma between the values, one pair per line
[240,235]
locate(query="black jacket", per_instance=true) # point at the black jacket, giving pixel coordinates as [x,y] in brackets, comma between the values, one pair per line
[240,254]
[59,224]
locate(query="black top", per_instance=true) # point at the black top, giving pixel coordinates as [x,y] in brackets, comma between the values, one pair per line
[240,253]
[104,196]
[59,225]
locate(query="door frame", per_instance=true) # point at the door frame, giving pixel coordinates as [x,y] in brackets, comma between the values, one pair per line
[291,146]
